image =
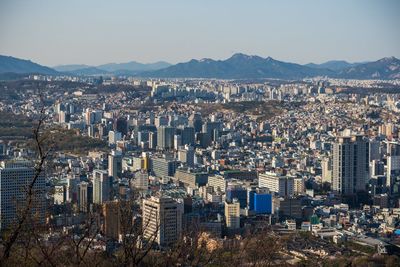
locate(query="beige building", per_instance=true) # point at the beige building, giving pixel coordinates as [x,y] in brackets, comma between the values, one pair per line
[232,214]
[162,220]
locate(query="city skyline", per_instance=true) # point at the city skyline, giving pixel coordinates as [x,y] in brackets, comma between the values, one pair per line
[99,32]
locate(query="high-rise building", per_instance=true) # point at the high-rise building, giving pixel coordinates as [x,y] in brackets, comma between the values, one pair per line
[299,186]
[232,214]
[191,179]
[161,121]
[15,177]
[115,164]
[188,136]
[117,219]
[196,122]
[237,191]
[121,125]
[282,185]
[114,137]
[260,202]
[153,140]
[326,165]
[162,220]
[165,137]
[163,167]
[392,171]
[218,182]
[186,156]
[212,128]
[350,164]
[177,141]
[102,186]
[64,117]
[85,196]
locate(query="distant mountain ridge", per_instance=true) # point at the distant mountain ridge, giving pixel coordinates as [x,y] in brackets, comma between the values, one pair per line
[10,64]
[335,65]
[238,66]
[128,68]
[385,68]
[241,66]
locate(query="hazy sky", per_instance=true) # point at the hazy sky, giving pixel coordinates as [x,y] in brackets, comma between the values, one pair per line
[53,32]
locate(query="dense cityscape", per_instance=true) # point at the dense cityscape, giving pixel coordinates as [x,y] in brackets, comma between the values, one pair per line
[216,161]
[200,133]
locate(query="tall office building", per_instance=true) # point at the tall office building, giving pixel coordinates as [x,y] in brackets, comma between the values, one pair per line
[165,137]
[232,214]
[350,164]
[102,186]
[188,135]
[85,196]
[177,141]
[392,171]
[212,128]
[115,164]
[153,140]
[162,220]
[15,177]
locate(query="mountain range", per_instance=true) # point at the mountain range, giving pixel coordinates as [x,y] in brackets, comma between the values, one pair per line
[129,68]
[20,66]
[239,66]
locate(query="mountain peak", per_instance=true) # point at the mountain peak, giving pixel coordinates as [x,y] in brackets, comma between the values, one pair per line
[242,56]
[389,59]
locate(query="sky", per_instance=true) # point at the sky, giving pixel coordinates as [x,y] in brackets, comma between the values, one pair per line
[93,32]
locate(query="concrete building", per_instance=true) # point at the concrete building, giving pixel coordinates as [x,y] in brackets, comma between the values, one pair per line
[191,179]
[141,180]
[163,167]
[162,220]
[282,185]
[165,137]
[232,214]
[102,186]
[15,177]
[350,164]
[115,164]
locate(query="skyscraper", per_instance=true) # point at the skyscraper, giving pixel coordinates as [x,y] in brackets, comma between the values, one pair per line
[165,137]
[350,164]
[162,220]
[232,214]
[188,134]
[115,164]
[85,196]
[102,186]
[15,177]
